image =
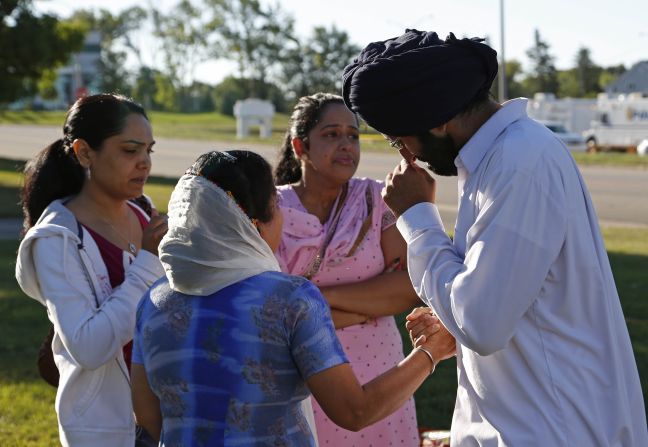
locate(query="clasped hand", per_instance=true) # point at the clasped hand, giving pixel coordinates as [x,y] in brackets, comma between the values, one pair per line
[406,186]
[426,330]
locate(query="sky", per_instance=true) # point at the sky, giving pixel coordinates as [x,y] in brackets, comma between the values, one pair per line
[616,32]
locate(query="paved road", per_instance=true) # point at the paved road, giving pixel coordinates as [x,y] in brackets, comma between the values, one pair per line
[620,195]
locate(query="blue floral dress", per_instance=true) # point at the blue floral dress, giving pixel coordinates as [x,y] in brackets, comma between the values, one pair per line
[230,368]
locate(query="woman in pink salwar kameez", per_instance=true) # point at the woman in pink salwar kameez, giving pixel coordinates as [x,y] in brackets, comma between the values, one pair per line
[339,233]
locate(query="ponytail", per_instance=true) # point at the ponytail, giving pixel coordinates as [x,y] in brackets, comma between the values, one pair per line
[288,168]
[52,174]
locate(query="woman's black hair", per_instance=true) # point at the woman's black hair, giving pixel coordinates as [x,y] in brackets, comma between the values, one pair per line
[55,171]
[246,174]
[304,118]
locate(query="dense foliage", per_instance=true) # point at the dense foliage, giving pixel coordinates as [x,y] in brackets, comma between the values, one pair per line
[268,60]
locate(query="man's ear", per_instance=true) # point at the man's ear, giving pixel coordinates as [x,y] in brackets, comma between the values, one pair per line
[299,148]
[82,151]
[440,131]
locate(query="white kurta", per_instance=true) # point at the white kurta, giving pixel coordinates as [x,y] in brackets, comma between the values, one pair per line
[543,355]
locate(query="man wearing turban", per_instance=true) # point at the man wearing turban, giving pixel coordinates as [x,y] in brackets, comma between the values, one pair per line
[525,286]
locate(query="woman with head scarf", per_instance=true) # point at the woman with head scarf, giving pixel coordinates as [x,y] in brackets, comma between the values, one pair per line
[227,346]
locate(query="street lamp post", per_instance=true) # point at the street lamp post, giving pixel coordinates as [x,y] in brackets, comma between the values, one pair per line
[502,68]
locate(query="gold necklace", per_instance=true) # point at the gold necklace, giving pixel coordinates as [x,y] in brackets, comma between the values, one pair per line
[131,247]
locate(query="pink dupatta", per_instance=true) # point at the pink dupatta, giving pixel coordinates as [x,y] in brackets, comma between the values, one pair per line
[304,235]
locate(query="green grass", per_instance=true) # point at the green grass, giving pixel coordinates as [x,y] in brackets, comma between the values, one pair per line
[40,118]
[216,126]
[27,416]
[610,159]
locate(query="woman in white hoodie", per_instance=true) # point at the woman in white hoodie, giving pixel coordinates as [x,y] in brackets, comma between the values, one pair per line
[88,256]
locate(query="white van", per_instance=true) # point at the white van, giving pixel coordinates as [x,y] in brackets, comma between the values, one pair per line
[621,123]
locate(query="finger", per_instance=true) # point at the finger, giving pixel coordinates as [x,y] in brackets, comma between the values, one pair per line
[429,318]
[421,317]
[156,221]
[160,229]
[407,155]
[420,340]
[422,322]
[429,331]
[417,312]
[417,329]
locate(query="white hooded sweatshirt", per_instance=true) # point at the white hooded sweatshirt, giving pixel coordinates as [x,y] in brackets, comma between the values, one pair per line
[92,323]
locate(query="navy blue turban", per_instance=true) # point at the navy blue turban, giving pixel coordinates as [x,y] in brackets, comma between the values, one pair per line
[415,82]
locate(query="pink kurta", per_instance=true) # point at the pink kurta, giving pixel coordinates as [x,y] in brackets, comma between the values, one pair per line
[371,348]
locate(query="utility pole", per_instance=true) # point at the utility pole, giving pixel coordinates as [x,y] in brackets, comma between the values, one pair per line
[502,66]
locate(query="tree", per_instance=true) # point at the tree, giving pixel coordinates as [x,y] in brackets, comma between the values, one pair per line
[588,73]
[227,92]
[116,37]
[254,36]
[317,65]
[231,89]
[568,84]
[610,74]
[165,93]
[514,78]
[543,76]
[144,88]
[31,45]
[199,98]
[183,42]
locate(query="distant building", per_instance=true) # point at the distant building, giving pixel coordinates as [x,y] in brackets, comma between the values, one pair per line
[634,80]
[81,76]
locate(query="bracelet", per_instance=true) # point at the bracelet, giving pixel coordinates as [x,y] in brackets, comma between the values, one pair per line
[429,354]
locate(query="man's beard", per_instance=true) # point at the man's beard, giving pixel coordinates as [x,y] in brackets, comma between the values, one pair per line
[439,153]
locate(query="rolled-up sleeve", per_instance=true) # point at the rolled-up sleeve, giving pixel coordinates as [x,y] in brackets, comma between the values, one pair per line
[480,297]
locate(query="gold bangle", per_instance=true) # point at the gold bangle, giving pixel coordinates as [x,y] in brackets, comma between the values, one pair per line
[429,354]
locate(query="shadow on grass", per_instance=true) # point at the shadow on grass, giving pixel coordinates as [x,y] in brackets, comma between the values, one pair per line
[10,164]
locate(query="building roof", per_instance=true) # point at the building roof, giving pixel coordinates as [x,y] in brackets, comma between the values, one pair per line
[633,80]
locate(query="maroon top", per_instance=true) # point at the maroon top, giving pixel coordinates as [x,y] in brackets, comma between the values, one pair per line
[117,260]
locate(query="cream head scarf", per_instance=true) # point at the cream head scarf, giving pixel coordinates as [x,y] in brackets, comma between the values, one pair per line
[211,242]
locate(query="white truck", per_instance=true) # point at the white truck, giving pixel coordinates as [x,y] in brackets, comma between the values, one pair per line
[620,123]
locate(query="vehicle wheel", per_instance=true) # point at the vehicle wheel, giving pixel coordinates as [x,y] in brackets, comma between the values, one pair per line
[591,146]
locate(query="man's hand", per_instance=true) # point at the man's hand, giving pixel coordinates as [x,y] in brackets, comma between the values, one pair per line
[406,186]
[426,330]
[421,322]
